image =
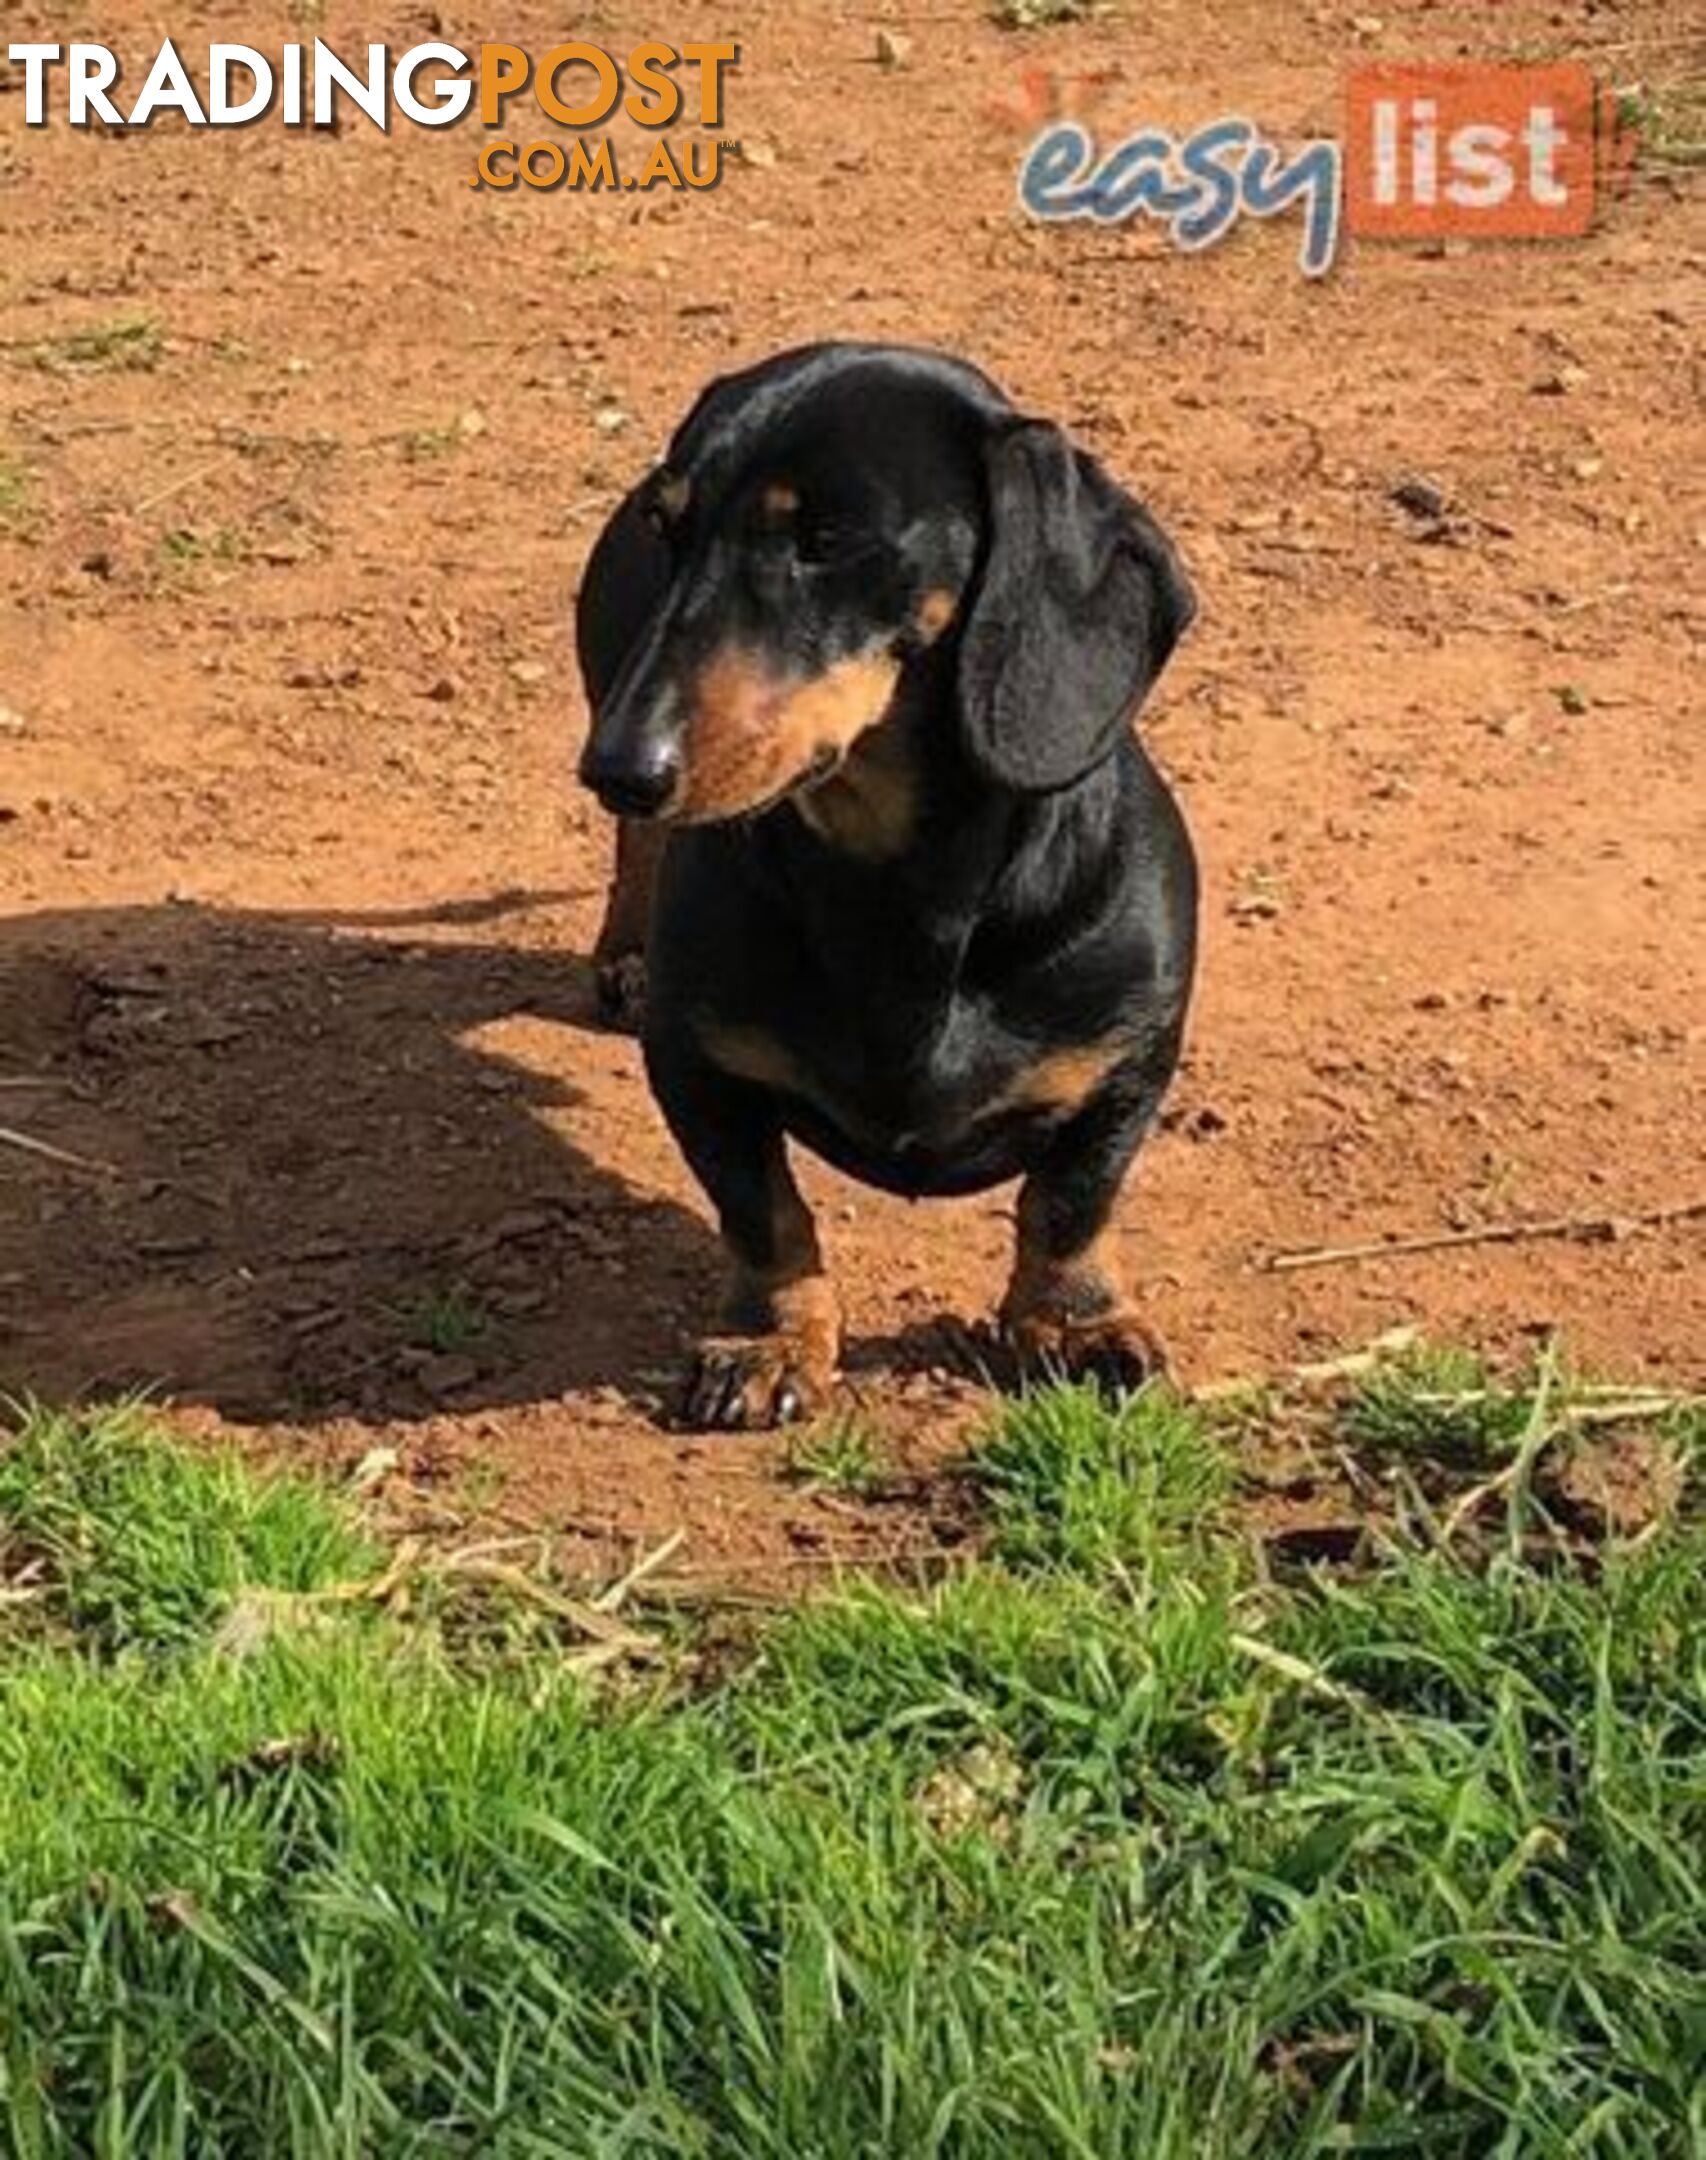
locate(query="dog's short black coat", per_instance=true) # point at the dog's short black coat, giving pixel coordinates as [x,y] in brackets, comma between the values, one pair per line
[866,647]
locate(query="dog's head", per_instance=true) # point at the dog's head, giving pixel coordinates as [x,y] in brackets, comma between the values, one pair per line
[817,526]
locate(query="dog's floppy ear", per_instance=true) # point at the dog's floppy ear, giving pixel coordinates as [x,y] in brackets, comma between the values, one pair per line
[1080,602]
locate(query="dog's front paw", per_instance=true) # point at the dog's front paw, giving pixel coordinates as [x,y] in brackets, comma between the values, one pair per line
[1114,1349]
[621,986]
[749,1383]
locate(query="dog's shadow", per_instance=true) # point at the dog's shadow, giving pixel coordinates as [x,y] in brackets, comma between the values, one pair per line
[279,1165]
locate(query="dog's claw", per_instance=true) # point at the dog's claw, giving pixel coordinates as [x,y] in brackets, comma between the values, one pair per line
[748,1385]
[1115,1350]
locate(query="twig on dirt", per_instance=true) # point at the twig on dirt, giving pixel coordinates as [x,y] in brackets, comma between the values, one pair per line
[27,1144]
[598,1627]
[26,1587]
[671,1589]
[1497,1233]
[1513,1480]
[1352,1366]
[477,1563]
[1629,1413]
[177,486]
[24,1082]
[381,1586]
[490,1548]
[1589,1405]
[611,1600]
[1683,43]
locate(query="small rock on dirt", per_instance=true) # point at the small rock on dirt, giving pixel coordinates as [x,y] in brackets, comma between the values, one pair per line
[893,50]
[448,1375]
[1422,497]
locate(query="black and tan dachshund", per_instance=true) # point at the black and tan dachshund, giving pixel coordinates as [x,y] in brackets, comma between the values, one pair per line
[862,657]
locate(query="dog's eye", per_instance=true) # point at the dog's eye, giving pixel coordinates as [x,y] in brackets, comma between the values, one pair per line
[817,545]
[820,543]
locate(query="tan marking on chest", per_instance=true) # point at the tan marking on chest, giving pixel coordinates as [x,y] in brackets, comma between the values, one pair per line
[870,807]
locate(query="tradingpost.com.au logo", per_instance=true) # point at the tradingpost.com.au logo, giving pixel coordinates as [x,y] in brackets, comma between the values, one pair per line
[576,85]
[1431,151]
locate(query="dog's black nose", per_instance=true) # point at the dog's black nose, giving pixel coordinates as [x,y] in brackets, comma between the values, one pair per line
[634,783]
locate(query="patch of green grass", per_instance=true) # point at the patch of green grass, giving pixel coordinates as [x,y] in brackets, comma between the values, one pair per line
[14,490]
[1668,120]
[1437,1406]
[839,1455]
[445,1321]
[1077,1483]
[1106,1847]
[183,546]
[131,341]
[145,1545]
[1044,14]
[419,445]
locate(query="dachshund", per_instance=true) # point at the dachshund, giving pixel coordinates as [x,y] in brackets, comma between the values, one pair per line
[862,656]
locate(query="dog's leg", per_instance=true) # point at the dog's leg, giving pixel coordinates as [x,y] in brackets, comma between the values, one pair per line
[619,956]
[1066,1312]
[777,1360]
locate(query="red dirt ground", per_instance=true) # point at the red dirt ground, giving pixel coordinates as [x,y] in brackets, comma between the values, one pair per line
[298,886]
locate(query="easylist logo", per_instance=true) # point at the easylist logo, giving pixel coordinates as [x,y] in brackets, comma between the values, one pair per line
[1489,152]
[656,84]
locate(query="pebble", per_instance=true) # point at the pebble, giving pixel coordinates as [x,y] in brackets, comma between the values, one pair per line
[447,1375]
[12,722]
[1420,496]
